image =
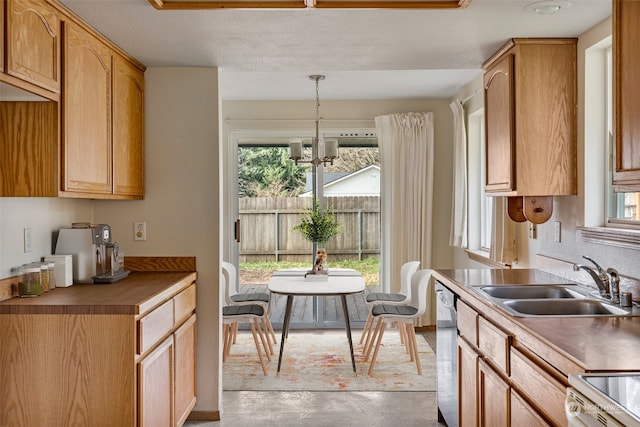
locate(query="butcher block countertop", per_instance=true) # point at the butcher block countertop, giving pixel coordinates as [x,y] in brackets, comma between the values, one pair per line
[137,294]
[571,344]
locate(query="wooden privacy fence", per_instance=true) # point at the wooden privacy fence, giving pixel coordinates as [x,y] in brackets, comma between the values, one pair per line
[267,228]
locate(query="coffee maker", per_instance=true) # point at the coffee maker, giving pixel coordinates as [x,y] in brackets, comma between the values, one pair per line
[96,259]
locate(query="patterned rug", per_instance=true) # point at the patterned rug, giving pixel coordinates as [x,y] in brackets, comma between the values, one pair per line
[320,361]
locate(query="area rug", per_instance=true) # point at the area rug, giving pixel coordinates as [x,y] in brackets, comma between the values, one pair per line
[320,361]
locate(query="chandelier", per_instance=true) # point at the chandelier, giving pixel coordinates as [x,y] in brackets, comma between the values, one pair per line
[330,145]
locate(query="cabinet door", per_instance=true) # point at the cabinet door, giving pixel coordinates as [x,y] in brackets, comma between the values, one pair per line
[523,415]
[499,123]
[467,384]
[128,128]
[185,371]
[493,393]
[86,148]
[33,43]
[155,387]
[626,37]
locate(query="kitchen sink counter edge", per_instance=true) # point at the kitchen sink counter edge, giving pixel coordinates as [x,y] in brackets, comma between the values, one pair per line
[137,294]
[571,344]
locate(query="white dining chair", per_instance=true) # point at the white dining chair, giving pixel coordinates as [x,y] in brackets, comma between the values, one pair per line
[248,313]
[401,298]
[232,297]
[404,315]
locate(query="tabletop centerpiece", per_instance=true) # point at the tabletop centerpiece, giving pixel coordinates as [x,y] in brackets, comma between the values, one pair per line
[318,226]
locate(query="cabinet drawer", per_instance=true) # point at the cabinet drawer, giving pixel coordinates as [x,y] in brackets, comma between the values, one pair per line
[467,322]
[154,326]
[539,386]
[494,344]
[184,304]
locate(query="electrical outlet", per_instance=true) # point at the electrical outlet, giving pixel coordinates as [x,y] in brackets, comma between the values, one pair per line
[28,243]
[139,231]
[556,231]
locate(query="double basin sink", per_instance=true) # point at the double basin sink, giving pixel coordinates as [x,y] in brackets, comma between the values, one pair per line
[549,301]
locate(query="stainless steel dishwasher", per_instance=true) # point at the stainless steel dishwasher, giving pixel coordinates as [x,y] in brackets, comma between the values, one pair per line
[447,355]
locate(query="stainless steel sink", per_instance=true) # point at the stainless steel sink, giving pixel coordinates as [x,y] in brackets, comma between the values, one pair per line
[530,292]
[563,307]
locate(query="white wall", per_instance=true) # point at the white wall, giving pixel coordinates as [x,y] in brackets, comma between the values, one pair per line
[44,216]
[181,205]
[298,116]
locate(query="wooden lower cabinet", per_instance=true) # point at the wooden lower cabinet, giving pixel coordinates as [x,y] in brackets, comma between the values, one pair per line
[185,370]
[467,384]
[493,397]
[498,385]
[155,386]
[62,369]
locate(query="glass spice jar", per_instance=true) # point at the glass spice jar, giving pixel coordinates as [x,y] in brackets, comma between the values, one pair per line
[29,284]
[52,275]
[44,276]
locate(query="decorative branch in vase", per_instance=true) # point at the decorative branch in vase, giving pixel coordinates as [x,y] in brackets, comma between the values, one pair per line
[318,226]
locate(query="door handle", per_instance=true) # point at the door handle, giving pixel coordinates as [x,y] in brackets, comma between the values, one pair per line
[236,230]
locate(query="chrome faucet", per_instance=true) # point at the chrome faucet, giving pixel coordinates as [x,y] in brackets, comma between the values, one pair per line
[615,285]
[599,275]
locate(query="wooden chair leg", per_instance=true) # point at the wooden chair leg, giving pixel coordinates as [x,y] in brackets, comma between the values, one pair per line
[265,328]
[225,335]
[266,344]
[408,341]
[255,340]
[366,326]
[234,331]
[375,352]
[270,326]
[416,355]
[367,341]
[374,335]
[226,350]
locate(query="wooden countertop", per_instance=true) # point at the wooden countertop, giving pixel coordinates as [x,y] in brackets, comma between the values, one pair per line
[571,344]
[137,294]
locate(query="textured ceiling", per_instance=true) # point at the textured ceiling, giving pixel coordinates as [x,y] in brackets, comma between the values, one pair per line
[365,54]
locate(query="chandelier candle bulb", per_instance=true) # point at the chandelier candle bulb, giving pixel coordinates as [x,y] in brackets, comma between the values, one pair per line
[295,148]
[331,148]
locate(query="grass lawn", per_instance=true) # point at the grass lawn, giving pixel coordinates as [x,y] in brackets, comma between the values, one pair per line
[259,272]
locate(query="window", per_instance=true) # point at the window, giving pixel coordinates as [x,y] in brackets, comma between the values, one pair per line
[622,208]
[480,205]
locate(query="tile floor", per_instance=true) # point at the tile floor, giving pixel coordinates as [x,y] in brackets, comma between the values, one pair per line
[330,409]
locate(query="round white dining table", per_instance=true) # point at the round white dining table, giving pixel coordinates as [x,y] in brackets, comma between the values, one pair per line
[338,282]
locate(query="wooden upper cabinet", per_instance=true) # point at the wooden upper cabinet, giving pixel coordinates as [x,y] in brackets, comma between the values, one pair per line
[530,118]
[2,3]
[128,128]
[498,86]
[86,133]
[33,43]
[626,64]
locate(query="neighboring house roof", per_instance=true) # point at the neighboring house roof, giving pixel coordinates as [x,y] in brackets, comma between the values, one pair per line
[363,182]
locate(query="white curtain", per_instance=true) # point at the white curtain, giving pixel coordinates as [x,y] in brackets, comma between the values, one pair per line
[458,233]
[406,158]
[503,234]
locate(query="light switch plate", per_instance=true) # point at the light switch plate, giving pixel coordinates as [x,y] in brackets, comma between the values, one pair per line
[28,242]
[139,231]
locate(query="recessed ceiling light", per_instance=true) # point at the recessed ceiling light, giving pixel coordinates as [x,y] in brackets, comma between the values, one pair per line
[547,7]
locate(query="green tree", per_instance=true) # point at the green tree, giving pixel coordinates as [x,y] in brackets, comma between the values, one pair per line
[268,171]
